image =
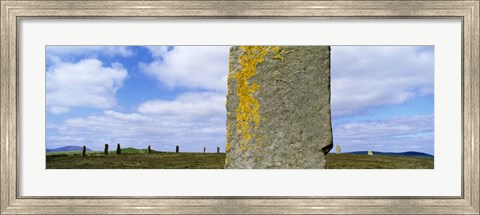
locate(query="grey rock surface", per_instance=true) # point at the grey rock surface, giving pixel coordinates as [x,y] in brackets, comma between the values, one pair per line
[278,107]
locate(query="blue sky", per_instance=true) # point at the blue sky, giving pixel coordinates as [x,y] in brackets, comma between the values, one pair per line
[163,96]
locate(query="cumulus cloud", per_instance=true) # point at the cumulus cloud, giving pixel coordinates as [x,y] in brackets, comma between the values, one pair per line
[86,83]
[67,52]
[371,76]
[194,67]
[157,51]
[125,117]
[58,110]
[190,105]
[362,78]
[192,121]
[398,134]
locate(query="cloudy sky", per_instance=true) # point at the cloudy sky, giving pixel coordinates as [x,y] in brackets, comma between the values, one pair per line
[382,97]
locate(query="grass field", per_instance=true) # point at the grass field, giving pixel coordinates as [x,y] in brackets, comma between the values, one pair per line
[350,161]
[137,159]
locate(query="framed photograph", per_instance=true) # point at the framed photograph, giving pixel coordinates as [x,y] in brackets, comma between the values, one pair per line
[240,107]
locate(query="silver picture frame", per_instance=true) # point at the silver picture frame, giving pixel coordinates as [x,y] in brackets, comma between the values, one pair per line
[12,11]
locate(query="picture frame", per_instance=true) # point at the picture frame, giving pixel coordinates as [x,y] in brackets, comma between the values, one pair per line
[13,11]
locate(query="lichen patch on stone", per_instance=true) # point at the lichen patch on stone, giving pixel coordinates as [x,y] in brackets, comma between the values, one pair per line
[278,108]
[248,108]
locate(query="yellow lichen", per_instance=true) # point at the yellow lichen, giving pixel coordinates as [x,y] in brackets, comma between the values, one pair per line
[247,112]
[279,56]
[248,107]
[255,87]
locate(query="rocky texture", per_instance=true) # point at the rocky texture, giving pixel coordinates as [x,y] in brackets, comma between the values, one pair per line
[278,107]
[338,150]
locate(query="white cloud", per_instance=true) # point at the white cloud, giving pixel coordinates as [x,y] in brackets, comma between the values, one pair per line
[397,134]
[58,110]
[370,76]
[191,120]
[380,76]
[65,52]
[195,67]
[83,84]
[191,105]
[157,51]
[125,117]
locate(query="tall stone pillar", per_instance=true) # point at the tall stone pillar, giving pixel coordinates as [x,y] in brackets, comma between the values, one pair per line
[278,107]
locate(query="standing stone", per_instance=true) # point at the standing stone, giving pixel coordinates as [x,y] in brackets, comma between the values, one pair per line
[338,150]
[370,153]
[204,150]
[218,149]
[177,149]
[84,151]
[119,149]
[105,150]
[278,107]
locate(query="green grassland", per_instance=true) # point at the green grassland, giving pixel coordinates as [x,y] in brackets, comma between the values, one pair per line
[136,160]
[139,159]
[351,161]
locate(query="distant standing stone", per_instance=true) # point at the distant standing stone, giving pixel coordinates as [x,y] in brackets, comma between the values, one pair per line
[370,153]
[105,150]
[338,150]
[278,107]
[84,151]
